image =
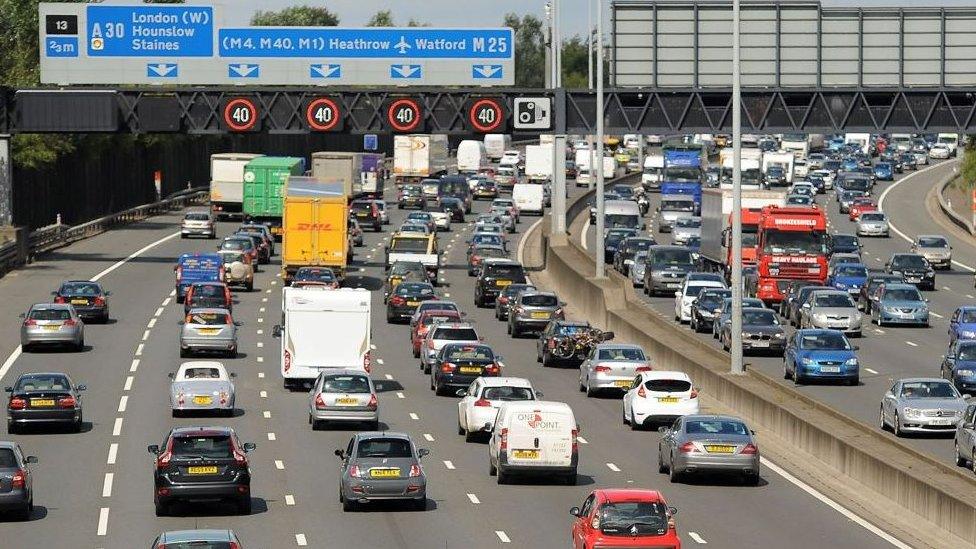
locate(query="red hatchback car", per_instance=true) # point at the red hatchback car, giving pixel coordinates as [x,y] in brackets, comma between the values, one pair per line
[859,206]
[631,518]
[427,318]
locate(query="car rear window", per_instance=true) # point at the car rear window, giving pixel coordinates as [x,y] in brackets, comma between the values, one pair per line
[50,314]
[512,271]
[208,290]
[667,385]
[456,334]
[633,517]
[80,288]
[345,384]
[469,352]
[716,427]
[197,217]
[361,207]
[432,319]
[540,300]
[207,319]
[384,448]
[491,252]
[620,354]
[507,393]
[200,545]
[414,288]
[202,373]
[42,383]
[319,275]
[211,446]
[7,458]
[408,245]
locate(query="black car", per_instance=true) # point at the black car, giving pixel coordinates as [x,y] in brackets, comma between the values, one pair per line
[493,278]
[845,243]
[908,161]
[44,399]
[459,364]
[453,207]
[613,239]
[790,294]
[201,464]
[866,294]
[507,297]
[797,301]
[411,196]
[705,308]
[554,332]
[367,214]
[914,268]
[624,258]
[88,298]
[404,300]
[455,186]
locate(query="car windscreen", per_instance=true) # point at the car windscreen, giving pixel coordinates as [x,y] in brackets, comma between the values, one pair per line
[208,447]
[832,300]
[205,544]
[236,244]
[232,257]
[927,389]
[844,241]
[857,184]
[909,262]
[667,385]
[201,373]
[481,353]
[80,288]
[850,269]
[688,222]
[490,252]
[540,300]
[455,334]
[384,448]
[716,427]
[503,270]
[759,318]
[620,353]
[779,242]
[903,294]
[507,394]
[672,257]
[711,299]
[634,245]
[967,351]
[434,319]
[345,384]
[621,220]
[50,314]
[486,238]
[361,206]
[42,382]
[409,245]
[824,341]
[932,242]
[692,290]
[967,316]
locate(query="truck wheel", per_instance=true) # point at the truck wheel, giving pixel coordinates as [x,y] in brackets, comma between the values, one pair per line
[250,286]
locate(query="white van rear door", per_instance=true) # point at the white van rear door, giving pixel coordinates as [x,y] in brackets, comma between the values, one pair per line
[540,437]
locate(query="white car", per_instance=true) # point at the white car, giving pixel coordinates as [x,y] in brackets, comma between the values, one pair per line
[827,176]
[659,397]
[511,158]
[202,386]
[442,221]
[688,293]
[940,151]
[480,401]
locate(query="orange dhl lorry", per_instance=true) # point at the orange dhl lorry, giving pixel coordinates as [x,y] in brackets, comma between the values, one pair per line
[315,221]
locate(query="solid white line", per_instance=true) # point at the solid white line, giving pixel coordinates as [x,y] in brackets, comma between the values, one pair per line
[128,383]
[135,365]
[271,436]
[279,464]
[117,428]
[300,540]
[132,256]
[268,291]
[834,505]
[266,414]
[473,499]
[613,467]
[586,227]
[14,355]
[697,538]
[870,371]
[414,416]
[449,464]
[113,452]
[912,343]
[429,437]
[107,485]
[123,402]
[152,323]
[166,301]
[503,536]
[159,311]
[102,521]
[139,349]
[289,499]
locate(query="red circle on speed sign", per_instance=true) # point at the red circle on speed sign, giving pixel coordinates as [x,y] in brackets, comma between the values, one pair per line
[486,115]
[322,114]
[240,114]
[403,115]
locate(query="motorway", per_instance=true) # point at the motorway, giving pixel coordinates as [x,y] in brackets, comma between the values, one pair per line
[890,353]
[94,489]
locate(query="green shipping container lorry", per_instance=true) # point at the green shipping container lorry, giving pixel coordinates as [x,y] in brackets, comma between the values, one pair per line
[264,183]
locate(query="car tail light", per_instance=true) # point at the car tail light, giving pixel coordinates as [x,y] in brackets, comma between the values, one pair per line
[60,299]
[483,402]
[502,299]
[70,322]
[601,368]
[227,297]
[644,368]
[100,301]
[519,310]
[220,270]
[179,272]
[164,458]
[688,448]
[493,368]
[17,403]
[287,361]
[447,367]
[319,402]
[749,449]
[503,441]
[414,470]
[30,322]
[19,480]
[67,402]
[223,397]
[240,459]
[694,393]
[232,545]
[373,403]
[475,260]
[430,344]
[355,472]
[641,392]
[368,361]
[181,399]
[575,445]
[397,301]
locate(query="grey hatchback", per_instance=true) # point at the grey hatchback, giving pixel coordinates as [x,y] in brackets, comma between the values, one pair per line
[532,310]
[16,481]
[381,466]
[704,443]
[52,324]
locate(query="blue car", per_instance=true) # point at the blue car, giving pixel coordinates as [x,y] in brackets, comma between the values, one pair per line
[848,277]
[962,324]
[884,171]
[899,304]
[959,366]
[815,354]
[850,165]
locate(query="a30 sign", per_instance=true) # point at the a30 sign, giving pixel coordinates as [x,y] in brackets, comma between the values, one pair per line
[324,114]
[404,114]
[240,114]
[486,115]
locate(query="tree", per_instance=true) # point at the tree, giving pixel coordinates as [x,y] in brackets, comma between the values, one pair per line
[530,50]
[296,16]
[382,18]
[575,69]
[414,23]
[967,171]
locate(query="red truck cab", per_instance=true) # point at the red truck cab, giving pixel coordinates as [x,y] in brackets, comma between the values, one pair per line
[792,245]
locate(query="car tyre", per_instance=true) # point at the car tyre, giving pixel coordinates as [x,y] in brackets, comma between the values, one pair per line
[501,478]
[673,475]
[634,425]
[13,428]
[249,286]
[416,352]
[751,479]
[244,506]
[896,426]
[492,470]
[419,504]
[960,461]
[348,505]
[162,509]
[76,426]
[570,479]
[661,467]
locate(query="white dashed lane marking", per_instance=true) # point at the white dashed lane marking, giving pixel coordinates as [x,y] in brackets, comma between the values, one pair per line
[289,499]
[280,465]
[389,377]
[117,428]
[300,540]
[429,437]
[697,538]
[936,315]
[266,414]
[870,371]
[449,464]
[473,499]
[414,416]
[613,467]
[271,436]
[912,343]
[135,365]
[263,394]
[400,395]
[128,383]
[113,452]
[123,402]
[581,440]
[102,521]
[503,536]
[139,349]
[107,485]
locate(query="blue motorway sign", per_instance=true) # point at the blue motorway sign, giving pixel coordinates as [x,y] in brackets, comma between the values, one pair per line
[61,46]
[150,31]
[162,70]
[479,72]
[418,43]
[406,71]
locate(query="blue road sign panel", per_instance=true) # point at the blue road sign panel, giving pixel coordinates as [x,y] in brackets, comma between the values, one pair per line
[325,70]
[406,71]
[150,31]
[489,72]
[370,142]
[243,70]
[162,70]
[61,46]
[420,43]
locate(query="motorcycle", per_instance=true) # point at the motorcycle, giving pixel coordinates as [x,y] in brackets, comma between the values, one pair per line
[580,344]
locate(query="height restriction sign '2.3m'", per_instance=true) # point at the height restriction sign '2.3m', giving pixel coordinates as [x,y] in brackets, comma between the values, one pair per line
[188,44]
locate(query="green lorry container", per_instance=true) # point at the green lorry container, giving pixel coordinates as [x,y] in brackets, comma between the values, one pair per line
[264,183]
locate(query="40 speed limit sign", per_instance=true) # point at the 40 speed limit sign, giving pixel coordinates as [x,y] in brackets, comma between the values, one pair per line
[240,114]
[324,114]
[404,114]
[486,115]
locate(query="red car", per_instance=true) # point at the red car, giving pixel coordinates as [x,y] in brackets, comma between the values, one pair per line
[859,206]
[418,332]
[625,517]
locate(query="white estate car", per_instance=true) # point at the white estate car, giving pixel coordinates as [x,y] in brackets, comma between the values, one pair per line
[480,401]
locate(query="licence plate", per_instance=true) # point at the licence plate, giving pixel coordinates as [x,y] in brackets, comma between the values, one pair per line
[525,454]
[912,279]
[470,370]
[503,282]
[52,327]
[673,284]
[540,314]
[668,400]
[346,401]
[40,402]
[203,400]
[384,473]
[622,383]
[719,449]
[830,369]
[208,331]
[760,343]
[940,421]
[413,303]
[202,470]
[79,302]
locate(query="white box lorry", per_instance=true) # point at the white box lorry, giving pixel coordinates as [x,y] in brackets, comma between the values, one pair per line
[653,171]
[346,167]
[863,140]
[496,144]
[419,156]
[323,329]
[471,156]
[538,162]
[782,159]
[227,183]
[716,207]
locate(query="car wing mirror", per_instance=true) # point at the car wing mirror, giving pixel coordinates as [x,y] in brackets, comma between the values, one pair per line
[539,394]
[339,453]
[856,348]
[575,511]
[461,392]
[182,323]
[487,426]
[153,449]
[171,375]
[22,315]
[423,452]
[276,330]
[81,388]
[663,430]
[232,374]
[238,323]
[249,446]
[54,292]
[108,294]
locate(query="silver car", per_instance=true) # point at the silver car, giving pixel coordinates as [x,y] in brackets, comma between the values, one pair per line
[873,224]
[208,330]
[442,334]
[965,439]
[532,310]
[685,228]
[343,396]
[935,249]
[709,444]
[52,324]
[612,366]
[384,214]
[198,223]
[637,269]
[202,387]
[197,538]
[833,310]
[17,499]
[921,405]
[237,269]
[381,466]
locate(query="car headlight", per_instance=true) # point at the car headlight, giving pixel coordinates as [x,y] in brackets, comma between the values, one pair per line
[779,335]
[851,362]
[929,273]
[968,334]
[806,361]
[964,373]
[890,309]
[820,317]
[912,412]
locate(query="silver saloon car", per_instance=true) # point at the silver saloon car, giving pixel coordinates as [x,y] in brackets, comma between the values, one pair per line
[833,310]
[921,405]
[612,366]
[873,224]
[935,249]
[708,444]
[343,396]
[202,387]
[378,466]
[52,324]
[210,330]
[532,310]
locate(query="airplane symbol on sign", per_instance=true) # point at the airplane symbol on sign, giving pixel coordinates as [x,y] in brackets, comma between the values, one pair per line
[402,45]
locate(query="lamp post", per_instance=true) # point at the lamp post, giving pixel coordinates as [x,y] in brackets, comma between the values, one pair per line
[597,163]
[737,366]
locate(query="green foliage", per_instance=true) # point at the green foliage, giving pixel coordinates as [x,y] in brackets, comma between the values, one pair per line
[296,16]
[414,23]
[530,50]
[967,171]
[382,18]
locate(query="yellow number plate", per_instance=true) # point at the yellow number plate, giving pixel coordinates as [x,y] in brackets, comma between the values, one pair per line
[622,384]
[79,302]
[719,449]
[667,400]
[525,454]
[470,370]
[52,327]
[202,470]
[208,331]
[540,314]
[42,402]
[384,473]
[503,282]
[202,400]
[346,401]
[413,303]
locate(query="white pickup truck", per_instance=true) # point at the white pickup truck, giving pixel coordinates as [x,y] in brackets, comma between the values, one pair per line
[415,247]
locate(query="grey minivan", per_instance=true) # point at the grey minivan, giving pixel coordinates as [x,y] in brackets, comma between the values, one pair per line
[666,268]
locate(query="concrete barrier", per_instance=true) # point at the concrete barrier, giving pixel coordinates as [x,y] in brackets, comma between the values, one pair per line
[885,471]
[953,216]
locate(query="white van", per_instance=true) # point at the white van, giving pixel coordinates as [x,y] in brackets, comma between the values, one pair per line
[529,198]
[653,171]
[622,213]
[323,330]
[471,156]
[534,438]
[496,144]
[950,139]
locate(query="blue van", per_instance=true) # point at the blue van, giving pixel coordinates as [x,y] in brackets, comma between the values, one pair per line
[197,267]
